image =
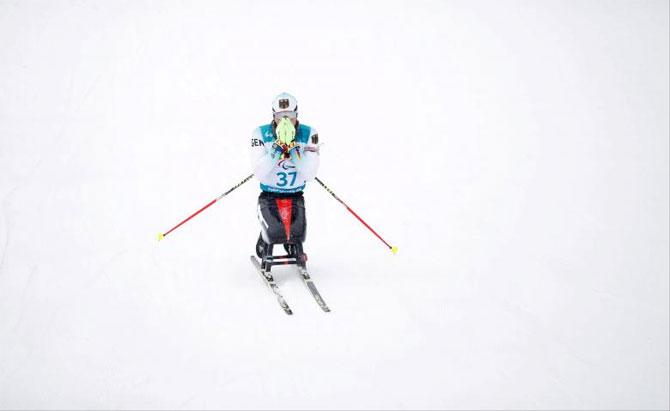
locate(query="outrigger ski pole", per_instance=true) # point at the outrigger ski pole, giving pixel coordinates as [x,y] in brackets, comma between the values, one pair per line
[393,249]
[162,235]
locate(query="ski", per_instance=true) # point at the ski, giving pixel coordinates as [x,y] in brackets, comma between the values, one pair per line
[267,278]
[304,275]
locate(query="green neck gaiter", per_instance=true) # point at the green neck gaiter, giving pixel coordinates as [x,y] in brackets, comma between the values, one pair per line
[285,131]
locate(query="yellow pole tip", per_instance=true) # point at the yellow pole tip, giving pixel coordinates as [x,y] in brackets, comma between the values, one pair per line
[394,250]
[160,236]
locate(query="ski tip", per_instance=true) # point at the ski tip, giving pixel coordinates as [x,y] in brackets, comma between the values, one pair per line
[161,236]
[394,250]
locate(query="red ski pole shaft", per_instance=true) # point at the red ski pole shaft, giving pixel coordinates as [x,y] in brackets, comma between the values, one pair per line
[162,235]
[392,248]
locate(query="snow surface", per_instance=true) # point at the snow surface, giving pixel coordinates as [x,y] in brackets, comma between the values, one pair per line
[515,151]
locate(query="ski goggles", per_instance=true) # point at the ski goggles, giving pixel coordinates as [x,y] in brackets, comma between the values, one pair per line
[292,115]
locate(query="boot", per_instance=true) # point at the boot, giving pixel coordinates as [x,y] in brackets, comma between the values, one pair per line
[290,249]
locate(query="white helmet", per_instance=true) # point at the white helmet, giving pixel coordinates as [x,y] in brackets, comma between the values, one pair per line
[284,102]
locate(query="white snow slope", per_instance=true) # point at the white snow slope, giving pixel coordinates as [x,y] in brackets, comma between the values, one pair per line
[515,151]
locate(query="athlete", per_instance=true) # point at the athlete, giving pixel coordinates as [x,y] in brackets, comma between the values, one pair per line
[284,157]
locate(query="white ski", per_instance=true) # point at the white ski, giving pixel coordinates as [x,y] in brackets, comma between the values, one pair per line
[267,278]
[312,288]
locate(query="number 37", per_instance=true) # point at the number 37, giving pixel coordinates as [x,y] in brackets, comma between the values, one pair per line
[283,178]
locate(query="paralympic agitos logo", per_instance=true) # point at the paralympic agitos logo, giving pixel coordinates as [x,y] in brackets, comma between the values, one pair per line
[283,164]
